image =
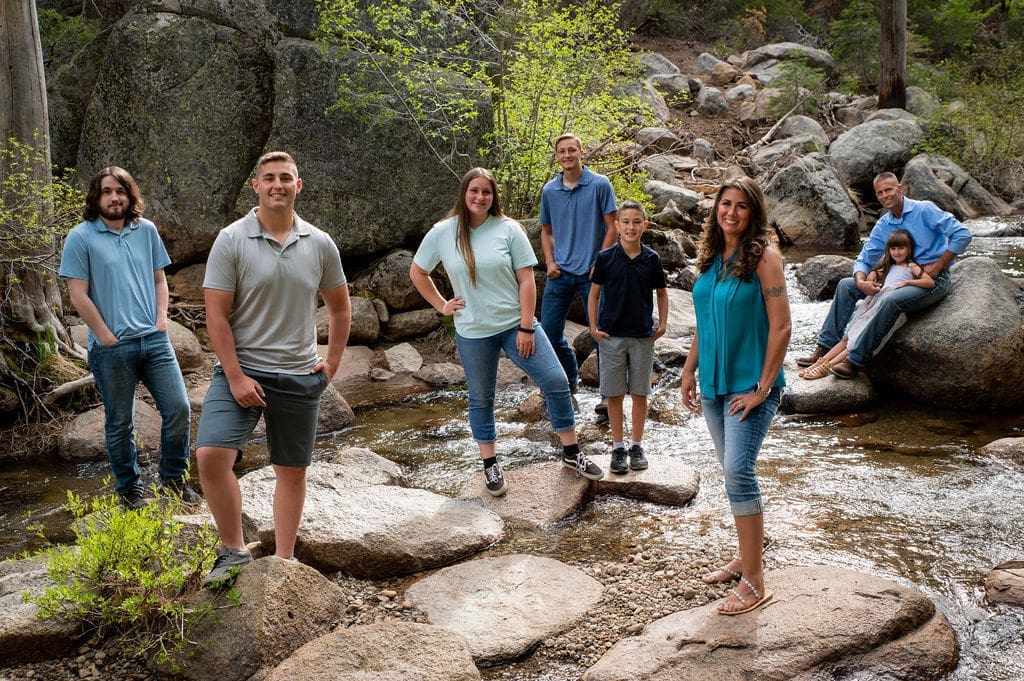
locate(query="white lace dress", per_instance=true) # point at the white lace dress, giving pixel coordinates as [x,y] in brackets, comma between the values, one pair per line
[867,308]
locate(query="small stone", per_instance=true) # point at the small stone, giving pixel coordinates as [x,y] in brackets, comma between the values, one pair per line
[635,628]
[388,593]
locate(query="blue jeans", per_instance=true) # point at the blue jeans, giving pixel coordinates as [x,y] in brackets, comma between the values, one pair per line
[554,310]
[901,301]
[480,361]
[118,368]
[737,444]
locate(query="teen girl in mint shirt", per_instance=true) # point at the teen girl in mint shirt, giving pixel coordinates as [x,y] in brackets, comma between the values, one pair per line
[490,262]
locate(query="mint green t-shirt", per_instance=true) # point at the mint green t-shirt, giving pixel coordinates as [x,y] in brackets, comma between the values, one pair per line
[500,247]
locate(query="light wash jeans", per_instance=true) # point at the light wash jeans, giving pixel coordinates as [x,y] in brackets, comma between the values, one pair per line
[118,368]
[737,444]
[480,361]
[554,310]
[901,301]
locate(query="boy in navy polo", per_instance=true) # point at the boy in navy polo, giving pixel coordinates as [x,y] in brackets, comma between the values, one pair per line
[621,311]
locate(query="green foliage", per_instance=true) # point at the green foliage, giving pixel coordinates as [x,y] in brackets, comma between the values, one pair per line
[543,67]
[856,35]
[957,24]
[35,213]
[128,572]
[801,87]
[974,132]
[62,35]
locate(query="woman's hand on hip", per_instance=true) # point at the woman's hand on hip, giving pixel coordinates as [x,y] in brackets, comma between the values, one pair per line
[452,307]
[745,403]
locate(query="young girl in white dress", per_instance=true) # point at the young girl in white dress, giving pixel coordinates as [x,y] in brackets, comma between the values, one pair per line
[896,270]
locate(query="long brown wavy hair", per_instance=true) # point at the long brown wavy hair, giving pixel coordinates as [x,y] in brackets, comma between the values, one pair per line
[462,211]
[900,237]
[754,239]
[136,206]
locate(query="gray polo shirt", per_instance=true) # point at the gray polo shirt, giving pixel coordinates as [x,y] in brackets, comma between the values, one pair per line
[273,316]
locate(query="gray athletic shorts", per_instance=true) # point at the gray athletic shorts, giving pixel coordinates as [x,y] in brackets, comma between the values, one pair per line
[293,406]
[626,363]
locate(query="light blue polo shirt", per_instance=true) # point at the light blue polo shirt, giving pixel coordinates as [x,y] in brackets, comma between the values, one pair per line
[119,267]
[500,247]
[576,217]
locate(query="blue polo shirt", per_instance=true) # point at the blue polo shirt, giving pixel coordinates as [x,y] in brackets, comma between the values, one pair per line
[934,231]
[627,291]
[119,267]
[576,217]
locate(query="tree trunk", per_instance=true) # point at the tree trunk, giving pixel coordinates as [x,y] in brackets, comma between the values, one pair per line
[892,88]
[31,305]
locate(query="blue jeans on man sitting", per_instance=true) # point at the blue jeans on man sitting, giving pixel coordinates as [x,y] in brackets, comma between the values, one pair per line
[554,310]
[906,300]
[480,362]
[118,368]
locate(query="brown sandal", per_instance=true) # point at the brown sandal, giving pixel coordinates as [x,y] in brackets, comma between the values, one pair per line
[819,369]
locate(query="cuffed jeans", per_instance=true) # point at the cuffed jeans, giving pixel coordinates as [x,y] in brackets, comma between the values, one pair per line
[117,369]
[480,362]
[554,310]
[904,300]
[737,444]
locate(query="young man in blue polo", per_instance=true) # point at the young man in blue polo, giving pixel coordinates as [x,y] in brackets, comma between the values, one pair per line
[577,219]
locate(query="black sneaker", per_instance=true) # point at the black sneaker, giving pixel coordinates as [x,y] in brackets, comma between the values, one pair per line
[495,480]
[637,460]
[133,499]
[619,460]
[180,488]
[582,465]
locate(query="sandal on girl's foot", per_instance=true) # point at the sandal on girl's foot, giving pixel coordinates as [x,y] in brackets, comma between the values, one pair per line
[820,370]
[748,605]
[723,574]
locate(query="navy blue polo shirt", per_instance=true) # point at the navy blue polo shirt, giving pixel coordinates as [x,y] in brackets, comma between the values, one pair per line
[627,291]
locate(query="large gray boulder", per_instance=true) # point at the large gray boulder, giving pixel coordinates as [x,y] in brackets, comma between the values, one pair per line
[828,395]
[364,653]
[682,318]
[823,623]
[666,481]
[190,120]
[83,437]
[765,63]
[505,606]
[24,637]
[663,192]
[964,352]
[947,185]
[811,205]
[347,158]
[371,531]
[819,275]
[874,147]
[282,605]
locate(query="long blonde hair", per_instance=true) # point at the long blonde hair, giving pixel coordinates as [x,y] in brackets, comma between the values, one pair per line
[461,210]
[752,243]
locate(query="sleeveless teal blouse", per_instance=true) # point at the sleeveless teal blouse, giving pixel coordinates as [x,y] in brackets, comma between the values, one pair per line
[732,331]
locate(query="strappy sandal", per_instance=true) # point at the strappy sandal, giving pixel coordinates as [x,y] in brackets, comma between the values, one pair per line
[748,606]
[732,575]
[819,369]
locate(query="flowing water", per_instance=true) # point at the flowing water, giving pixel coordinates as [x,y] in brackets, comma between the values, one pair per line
[897,491]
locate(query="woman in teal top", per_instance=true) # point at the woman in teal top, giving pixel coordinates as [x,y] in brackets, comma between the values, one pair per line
[743,328]
[489,260]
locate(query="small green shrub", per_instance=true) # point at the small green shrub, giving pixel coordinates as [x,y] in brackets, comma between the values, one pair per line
[128,573]
[801,87]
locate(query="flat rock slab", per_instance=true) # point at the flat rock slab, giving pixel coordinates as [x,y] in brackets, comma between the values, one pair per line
[23,636]
[829,395]
[505,606]
[1005,584]
[537,496]
[1009,449]
[363,653]
[665,481]
[372,531]
[823,622]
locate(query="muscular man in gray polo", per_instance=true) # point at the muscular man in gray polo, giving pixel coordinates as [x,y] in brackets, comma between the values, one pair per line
[262,280]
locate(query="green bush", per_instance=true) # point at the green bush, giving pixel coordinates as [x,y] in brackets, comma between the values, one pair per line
[128,573]
[800,85]
[545,67]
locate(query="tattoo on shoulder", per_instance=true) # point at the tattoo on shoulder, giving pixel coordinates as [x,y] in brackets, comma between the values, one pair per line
[774,291]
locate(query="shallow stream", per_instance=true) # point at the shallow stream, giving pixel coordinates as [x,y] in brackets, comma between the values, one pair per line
[897,491]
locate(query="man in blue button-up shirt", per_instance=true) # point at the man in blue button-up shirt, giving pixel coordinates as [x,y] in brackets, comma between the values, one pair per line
[938,239]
